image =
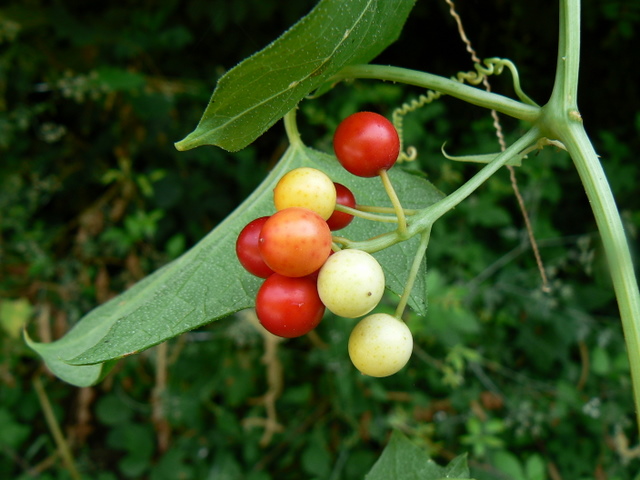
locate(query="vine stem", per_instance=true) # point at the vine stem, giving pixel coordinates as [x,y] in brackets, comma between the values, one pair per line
[615,245]
[448,86]
[561,118]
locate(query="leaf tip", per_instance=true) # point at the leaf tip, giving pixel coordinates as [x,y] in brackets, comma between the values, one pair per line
[79,376]
[184,144]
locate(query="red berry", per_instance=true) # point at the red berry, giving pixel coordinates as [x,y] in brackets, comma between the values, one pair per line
[295,242]
[289,307]
[366,143]
[345,197]
[248,251]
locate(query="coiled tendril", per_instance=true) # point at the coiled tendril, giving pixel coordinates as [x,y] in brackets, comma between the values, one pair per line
[492,66]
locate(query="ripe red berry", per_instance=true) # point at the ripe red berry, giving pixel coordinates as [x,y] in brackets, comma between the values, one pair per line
[289,307]
[366,143]
[345,197]
[295,242]
[248,251]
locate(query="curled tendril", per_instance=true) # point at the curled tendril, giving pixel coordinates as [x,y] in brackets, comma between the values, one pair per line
[492,66]
[398,118]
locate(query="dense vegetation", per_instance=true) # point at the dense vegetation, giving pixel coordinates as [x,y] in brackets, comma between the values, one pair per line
[94,196]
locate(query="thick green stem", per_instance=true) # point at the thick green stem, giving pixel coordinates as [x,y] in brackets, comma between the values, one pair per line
[562,120]
[615,244]
[291,128]
[565,87]
[444,85]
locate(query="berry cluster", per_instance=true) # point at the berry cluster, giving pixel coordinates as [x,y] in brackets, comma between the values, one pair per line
[292,251]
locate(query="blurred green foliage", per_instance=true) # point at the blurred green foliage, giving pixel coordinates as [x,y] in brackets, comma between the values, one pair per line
[93,197]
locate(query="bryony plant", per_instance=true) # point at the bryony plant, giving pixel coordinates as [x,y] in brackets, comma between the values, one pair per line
[333,43]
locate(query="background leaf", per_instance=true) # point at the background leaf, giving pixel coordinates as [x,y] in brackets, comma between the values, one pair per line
[404,460]
[254,95]
[208,283]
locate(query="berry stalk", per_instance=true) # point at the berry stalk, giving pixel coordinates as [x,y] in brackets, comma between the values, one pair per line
[413,273]
[395,201]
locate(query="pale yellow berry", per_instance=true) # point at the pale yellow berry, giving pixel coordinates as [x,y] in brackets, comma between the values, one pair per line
[351,283]
[380,345]
[308,188]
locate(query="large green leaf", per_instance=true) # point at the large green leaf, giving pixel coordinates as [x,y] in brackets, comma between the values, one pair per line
[254,95]
[404,460]
[208,282]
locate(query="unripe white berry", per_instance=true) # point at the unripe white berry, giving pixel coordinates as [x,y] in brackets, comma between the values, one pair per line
[351,283]
[380,345]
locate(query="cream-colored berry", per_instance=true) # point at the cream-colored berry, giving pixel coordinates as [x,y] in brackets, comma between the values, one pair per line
[380,345]
[306,187]
[351,283]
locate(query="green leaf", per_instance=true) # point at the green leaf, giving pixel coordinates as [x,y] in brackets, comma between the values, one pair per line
[71,344]
[137,442]
[255,94]
[535,468]
[509,464]
[404,460]
[208,283]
